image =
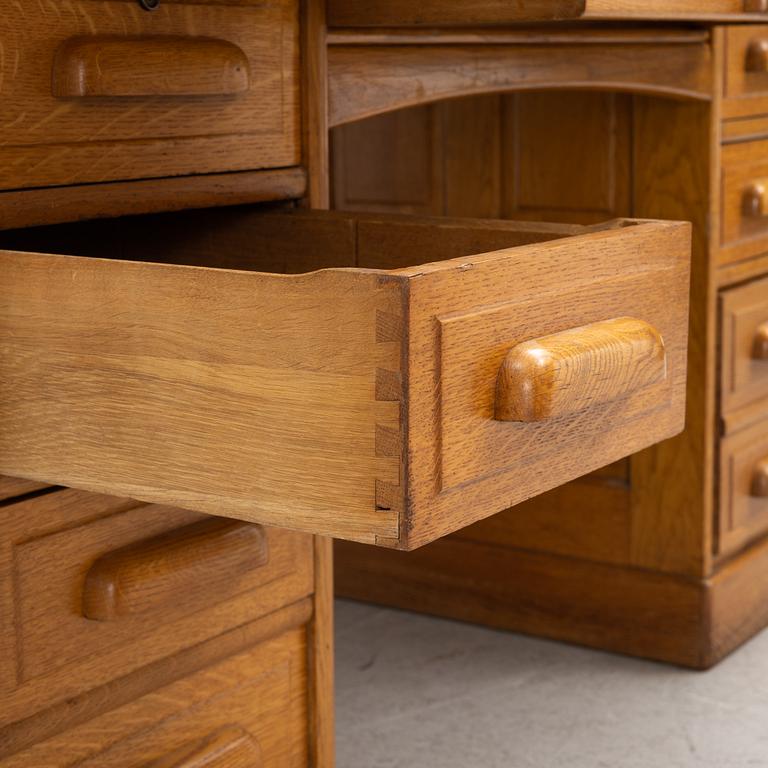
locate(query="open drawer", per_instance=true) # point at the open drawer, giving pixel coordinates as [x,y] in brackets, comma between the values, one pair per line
[376,378]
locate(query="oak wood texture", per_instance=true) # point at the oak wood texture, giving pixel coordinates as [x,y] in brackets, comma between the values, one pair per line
[63,140]
[743,488]
[16,486]
[52,653]
[394,13]
[577,157]
[744,372]
[55,205]
[248,710]
[56,719]
[113,66]
[369,80]
[635,611]
[164,397]
[577,369]
[744,226]
[361,13]
[149,575]
[745,87]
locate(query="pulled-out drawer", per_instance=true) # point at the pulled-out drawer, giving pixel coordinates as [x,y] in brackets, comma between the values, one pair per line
[247,711]
[100,90]
[428,374]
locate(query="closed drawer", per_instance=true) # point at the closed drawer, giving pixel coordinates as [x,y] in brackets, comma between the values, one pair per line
[99,90]
[744,220]
[744,345]
[248,711]
[104,586]
[390,398]
[746,70]
[743,487]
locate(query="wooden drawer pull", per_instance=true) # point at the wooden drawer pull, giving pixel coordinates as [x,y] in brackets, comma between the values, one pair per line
[753,200]
[755,6]
[109,66]
[567,372]
[756,60]
[205,557]
[760,344]
[759,487]
[229,747]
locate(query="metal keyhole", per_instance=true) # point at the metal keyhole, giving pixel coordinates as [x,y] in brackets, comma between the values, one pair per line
[149,5]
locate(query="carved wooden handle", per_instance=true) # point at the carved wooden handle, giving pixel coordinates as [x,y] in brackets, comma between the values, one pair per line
[759,487]
[109,66]
[760,343]
[753,200]
[567,372]
[159,572]
[756,60]
[229,747]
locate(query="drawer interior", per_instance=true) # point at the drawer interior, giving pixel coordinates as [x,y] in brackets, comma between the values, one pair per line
[281,240]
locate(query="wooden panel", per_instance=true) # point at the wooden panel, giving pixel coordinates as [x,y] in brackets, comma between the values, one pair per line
[746,71]
[31,207]
[248,711]
[16,486]
[567,156]
[389,164]
[744,369]
[51,545]
[619,609]
[493,305]
[49,140]
[532,156]
[743,488]
[744,218]
[369,80]
[394,13]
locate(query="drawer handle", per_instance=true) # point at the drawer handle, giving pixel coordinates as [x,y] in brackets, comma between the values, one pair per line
[570,371]
[753,200]
[229,747]
[759,489]
[108,66]
[760,343]
[756,60]
[203,558]
[755,6]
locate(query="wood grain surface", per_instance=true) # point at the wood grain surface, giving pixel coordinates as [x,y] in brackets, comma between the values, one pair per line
[51,140]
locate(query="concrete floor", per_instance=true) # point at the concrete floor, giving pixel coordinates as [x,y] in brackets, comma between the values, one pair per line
[418,692]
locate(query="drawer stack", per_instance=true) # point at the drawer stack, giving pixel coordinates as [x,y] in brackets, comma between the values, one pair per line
[743,301]
[150,635]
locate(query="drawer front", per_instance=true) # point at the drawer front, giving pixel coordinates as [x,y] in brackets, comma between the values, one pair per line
[744,345]
[359,403]
[248,711]
[744,228]
[746,70]
[743,487]
[107,585]
[99,90]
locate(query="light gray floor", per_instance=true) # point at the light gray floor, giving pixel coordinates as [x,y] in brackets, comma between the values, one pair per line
[418,692]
